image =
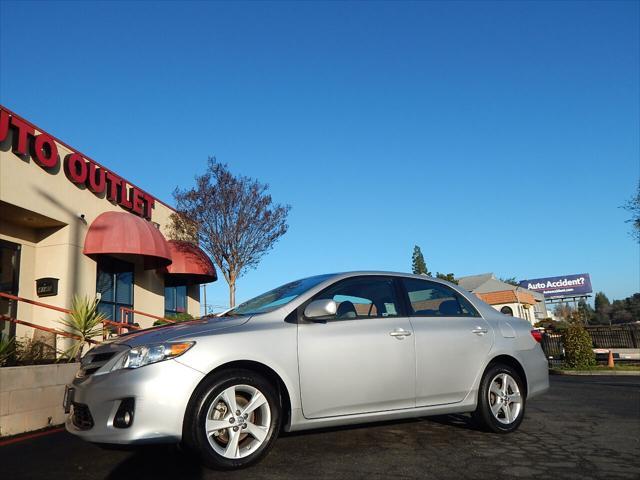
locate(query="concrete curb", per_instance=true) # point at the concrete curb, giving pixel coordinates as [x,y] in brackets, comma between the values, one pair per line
[595,373]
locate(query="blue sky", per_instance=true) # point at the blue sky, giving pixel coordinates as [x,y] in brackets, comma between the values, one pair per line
[498,136]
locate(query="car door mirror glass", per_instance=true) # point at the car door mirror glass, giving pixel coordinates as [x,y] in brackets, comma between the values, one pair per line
[321,309]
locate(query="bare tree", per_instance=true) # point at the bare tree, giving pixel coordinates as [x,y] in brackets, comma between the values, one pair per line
[231,217]
[633,207]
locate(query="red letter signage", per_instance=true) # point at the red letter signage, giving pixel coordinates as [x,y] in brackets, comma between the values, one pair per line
[24,130]
[76,168]
[45,151]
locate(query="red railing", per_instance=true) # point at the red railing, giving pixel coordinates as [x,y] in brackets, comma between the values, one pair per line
[5,318]
[125,311]
[119,325]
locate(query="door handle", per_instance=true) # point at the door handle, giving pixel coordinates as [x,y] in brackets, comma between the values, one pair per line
[400,333]
[479,330]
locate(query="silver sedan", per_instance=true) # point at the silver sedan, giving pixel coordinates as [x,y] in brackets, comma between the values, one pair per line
[323,351]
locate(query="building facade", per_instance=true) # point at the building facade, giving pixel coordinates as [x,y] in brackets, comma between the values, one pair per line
[70,226]
[505,297]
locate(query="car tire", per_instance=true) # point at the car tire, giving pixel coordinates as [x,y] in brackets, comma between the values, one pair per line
[501,400]
[226,439]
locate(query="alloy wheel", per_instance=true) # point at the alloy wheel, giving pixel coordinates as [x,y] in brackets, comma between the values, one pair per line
[238,421]
[505,399]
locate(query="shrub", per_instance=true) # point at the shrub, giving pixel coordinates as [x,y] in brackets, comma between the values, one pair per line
[85,322]
[179,317]
[34,352]
[7,348]
[578,347]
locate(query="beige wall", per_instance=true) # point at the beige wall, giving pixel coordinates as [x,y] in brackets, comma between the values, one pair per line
[519,310]
[31,396]
[57,252]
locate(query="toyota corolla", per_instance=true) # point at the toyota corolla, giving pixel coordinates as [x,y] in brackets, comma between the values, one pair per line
[323,351]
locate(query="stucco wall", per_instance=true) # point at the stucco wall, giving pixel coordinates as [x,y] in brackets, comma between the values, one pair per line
[527,314]
[31,397]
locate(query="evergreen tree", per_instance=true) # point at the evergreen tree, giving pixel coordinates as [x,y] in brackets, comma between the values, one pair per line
[418,264]
[601,301]
[449,277]
[585,312]
[603,309]
[510,281]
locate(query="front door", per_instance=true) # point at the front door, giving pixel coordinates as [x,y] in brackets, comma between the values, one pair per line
[361,361]
[452,342]
[9,270]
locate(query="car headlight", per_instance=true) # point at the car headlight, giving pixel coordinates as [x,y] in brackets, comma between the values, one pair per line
[148,354]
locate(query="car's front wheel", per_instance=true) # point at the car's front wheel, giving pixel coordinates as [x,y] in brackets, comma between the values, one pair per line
[501,400]
[233,420]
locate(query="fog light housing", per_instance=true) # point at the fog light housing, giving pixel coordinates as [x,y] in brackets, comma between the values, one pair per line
[124,415]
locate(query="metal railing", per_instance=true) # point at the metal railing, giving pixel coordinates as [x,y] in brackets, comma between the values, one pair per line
[602,337]
[106,331]
[6,318]
[615,336]
[60,309]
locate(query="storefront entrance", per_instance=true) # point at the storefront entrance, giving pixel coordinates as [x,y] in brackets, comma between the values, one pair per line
[9,271]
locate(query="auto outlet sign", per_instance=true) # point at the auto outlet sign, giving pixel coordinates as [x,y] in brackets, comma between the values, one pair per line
[43,149]
[564,286]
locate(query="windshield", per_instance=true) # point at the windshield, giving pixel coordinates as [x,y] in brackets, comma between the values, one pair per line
[277,297]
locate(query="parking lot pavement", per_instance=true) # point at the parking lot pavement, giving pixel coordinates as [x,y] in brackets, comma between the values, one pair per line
[585,427]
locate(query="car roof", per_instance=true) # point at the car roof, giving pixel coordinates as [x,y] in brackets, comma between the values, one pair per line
[356,273]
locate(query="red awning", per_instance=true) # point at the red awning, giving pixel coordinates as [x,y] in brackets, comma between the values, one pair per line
[190,264]
[125,234]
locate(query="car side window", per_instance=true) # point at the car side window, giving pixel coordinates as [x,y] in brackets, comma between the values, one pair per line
[363,297]
[431,299]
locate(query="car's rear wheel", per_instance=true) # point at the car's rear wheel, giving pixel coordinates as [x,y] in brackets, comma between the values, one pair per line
[234,419]
[501,400]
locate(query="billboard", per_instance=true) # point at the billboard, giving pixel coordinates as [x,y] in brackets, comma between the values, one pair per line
[564,286]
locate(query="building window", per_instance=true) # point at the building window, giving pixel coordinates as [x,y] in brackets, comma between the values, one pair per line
[175,300]
[507,311]
[115,286]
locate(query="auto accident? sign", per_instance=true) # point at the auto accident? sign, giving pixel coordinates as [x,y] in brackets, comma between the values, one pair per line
[564,286]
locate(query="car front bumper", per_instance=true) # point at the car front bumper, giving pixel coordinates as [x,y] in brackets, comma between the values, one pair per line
[160,394]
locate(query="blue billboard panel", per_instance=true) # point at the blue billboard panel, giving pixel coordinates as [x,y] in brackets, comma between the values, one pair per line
[564,286]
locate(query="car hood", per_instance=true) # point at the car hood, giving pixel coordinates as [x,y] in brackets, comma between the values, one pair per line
[180,330]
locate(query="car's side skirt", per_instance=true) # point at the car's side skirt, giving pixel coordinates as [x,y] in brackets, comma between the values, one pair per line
[299,422]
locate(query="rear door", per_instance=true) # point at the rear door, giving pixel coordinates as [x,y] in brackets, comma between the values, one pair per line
[361,361]
[452,341]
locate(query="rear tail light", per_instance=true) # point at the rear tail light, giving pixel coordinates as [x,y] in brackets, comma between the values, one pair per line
[537,335]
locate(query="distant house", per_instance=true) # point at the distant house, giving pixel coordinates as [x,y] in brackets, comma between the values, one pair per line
[506,298]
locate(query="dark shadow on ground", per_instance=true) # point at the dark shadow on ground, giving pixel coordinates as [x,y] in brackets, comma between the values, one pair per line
[459,420]
[158,462]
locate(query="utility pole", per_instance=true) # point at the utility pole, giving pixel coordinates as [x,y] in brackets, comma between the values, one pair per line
[204,296]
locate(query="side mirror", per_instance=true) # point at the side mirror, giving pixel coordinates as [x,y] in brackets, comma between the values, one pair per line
[320,309]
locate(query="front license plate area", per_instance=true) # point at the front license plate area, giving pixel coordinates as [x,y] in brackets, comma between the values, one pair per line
[68,398]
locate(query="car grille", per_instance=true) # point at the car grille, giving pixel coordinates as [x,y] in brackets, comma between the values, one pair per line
[96,358]
[82,416]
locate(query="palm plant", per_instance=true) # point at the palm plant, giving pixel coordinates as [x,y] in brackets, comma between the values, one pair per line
[85,322]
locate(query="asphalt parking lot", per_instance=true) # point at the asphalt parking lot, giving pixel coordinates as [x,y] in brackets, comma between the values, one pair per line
[585,427]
